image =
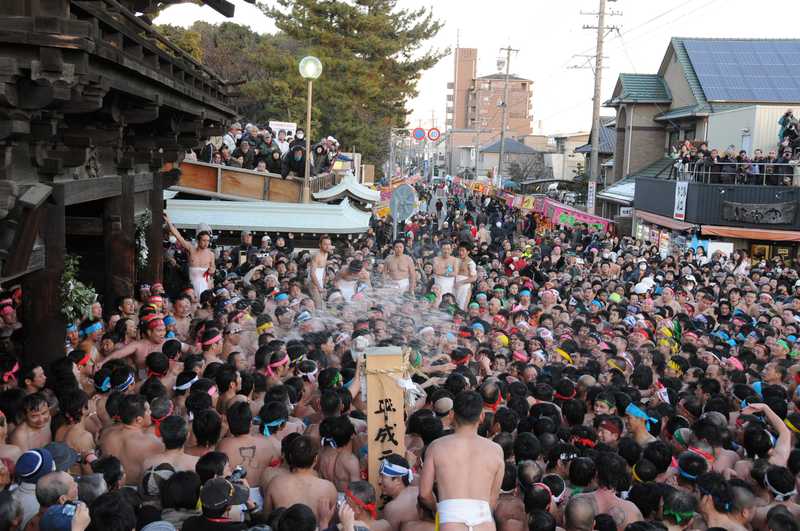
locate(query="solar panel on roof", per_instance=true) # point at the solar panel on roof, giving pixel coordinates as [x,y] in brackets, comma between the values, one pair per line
[767,71]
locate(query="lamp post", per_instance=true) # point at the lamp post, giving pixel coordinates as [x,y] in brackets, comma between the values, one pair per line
[310,69]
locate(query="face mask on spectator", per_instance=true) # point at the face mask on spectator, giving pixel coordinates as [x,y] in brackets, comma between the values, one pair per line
[300,136]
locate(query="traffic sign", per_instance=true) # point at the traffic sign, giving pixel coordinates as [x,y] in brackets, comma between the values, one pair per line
[419,133]
[434,134]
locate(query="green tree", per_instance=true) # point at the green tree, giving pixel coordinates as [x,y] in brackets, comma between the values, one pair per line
[372,58]
[187,40]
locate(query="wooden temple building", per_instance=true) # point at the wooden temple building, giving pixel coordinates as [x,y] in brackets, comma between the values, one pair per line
[93,104]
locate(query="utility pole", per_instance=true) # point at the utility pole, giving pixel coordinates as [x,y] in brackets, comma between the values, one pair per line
[478,124]
[594,161]
[499,178]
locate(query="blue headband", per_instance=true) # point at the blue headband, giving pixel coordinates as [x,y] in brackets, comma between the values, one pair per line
[524,293]
[638,412]
[105,386]
[274,424]
[477,326]
[169,320]
[72,328]
[281,297]
[757,389]
[170,335]
[685,474]
[124,385]
[91,329]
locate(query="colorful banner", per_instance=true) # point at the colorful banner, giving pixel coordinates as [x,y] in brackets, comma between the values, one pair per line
[561,214]
[528,202]
[518,201]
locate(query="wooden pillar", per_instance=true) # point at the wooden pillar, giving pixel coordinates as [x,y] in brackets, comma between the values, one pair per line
[45,327]
[386,427]
[119,245]
[155,266]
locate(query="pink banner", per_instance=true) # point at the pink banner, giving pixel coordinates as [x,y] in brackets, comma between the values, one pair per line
[561,214]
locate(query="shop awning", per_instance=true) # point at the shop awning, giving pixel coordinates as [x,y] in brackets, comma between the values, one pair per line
[751,234]
[663,221]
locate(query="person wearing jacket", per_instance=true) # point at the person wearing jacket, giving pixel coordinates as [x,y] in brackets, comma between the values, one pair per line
[294,162]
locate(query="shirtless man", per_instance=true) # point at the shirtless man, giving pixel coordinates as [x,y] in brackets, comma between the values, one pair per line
[154,337]
[394,480]
[75,407]
[317,271]
[360,496]
[444,269]
[611,471]
[466,276]
[467,495]
[132,442]
[34,431]
[182,312]
[252,452]
[344,466]
[400,269]
[301,484]
[174,432]
[201,258]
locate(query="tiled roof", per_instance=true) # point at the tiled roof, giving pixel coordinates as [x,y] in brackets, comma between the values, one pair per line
[501,75]
[510,146]
[643,88]
[660,168]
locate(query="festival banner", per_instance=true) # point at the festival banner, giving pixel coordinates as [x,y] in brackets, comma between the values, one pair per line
[518,201]
[528,202]
[561,214]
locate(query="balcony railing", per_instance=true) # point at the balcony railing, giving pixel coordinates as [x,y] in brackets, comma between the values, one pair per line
[750,172]
[734,205]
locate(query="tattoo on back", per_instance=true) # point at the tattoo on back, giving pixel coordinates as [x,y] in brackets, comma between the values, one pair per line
[248,454]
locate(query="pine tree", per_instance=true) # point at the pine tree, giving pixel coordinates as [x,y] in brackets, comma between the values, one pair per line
[372,58]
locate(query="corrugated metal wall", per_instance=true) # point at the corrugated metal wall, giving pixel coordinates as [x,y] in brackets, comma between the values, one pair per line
[765,132]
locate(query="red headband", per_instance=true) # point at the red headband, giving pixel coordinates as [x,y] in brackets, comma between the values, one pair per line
[584,442]
[11,374]
[564,397]
[84,360]
[369,507]
[610,426]
[496,404]
[157,420]
[462,361]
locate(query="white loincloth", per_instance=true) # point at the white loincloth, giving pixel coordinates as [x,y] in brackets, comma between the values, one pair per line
[197,276]
[471,513]
[319,274]
[462,292]
[400,285]
[445,283]
[348,289]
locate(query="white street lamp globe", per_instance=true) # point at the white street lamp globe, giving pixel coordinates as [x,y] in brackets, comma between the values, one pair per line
[310,67]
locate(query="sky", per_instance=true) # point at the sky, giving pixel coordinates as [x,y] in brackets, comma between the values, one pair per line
[550,38]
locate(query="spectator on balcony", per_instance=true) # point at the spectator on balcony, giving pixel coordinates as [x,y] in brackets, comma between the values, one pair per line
[273,162]
[784,170]
[320,156]
[282,143]
[788,133]
[729,166]
[232,136]
[265,145]
[294,162]
[744,168]
[758,170]
[206,153]
[225,158]
[714,167]
[299,139]
[769,168]
[244,155]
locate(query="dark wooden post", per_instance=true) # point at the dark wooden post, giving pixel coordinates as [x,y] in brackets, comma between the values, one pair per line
[118,242]
[155,266]
[41,301]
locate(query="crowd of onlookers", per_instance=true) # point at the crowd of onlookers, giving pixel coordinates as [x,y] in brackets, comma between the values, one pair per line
[696,162]
[265,150]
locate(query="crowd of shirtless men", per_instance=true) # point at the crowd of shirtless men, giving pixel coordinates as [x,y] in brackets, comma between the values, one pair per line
[570,380]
